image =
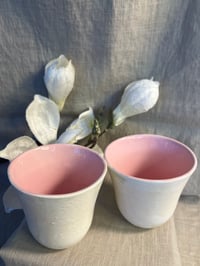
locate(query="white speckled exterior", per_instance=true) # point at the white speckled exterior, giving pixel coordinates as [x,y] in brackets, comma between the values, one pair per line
[59,221]
[145,203]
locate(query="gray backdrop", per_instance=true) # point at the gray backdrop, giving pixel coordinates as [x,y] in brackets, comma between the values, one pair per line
[111,43]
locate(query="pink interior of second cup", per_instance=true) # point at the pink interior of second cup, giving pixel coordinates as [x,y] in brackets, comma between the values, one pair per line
[56,169]
[149,157]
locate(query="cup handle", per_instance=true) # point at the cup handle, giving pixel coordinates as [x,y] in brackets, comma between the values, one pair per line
[10,200]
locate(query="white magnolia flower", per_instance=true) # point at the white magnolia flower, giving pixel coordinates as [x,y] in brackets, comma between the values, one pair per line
[138,97]
[17,147]
[43,118]
[59,79]
[79,128]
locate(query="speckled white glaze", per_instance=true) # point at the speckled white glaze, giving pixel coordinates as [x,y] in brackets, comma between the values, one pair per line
[162,167]
[58,221]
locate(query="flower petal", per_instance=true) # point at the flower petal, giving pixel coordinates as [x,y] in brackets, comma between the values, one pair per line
[59,79]
[79,128]
[17,147]
[138,97]
[43,118]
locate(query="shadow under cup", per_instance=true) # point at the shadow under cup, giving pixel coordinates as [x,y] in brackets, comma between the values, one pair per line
[56,169]
[149,173]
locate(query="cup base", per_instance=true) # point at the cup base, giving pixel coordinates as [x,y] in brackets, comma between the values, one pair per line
[149,225]
[60,246]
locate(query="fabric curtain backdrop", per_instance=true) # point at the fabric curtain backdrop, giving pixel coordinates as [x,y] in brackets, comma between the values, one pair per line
[111,43]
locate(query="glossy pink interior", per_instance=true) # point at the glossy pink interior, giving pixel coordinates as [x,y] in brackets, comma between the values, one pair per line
[56,169]
[149,157]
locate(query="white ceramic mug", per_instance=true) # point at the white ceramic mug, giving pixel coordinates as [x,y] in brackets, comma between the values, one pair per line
[57,186]
[149,173]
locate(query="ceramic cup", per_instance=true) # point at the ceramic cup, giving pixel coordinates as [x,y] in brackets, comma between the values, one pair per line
[57,186]
[149,173]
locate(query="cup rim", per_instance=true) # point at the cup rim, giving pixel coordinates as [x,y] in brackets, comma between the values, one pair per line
[63,195]
[146,180]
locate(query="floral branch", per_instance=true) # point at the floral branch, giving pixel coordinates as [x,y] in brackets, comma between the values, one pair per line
[43,114]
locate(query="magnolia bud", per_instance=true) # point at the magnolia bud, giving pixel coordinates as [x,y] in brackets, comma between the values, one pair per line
[138,97]
[59,79]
